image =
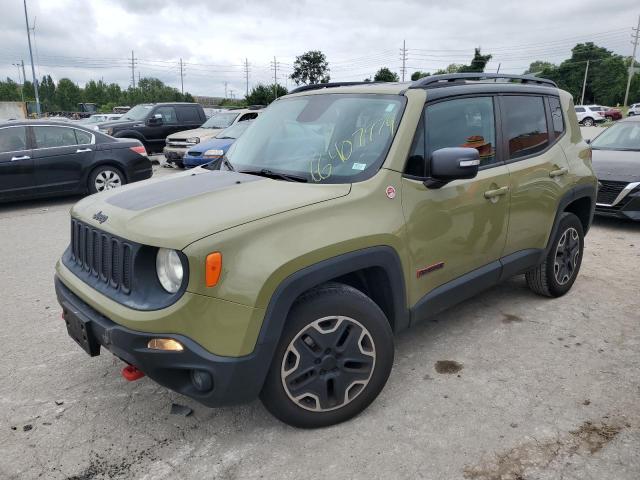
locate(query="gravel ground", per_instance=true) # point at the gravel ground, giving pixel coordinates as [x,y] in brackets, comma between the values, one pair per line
[506,386]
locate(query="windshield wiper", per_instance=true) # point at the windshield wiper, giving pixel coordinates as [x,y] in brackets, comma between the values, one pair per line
[265,172]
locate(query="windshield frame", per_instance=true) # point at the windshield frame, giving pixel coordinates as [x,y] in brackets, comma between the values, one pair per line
[369,172]
[147,109]
[618,125]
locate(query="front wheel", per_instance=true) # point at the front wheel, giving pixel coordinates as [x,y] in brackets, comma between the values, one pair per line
[588,122]
[104,178]
[555,276]
[333,359]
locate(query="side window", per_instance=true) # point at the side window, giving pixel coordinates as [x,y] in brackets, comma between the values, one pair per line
[190,114]
[525,124]
[168,114]
[415,163]
[248,116]
[13,139]
[50,137]
[464,122]
[82,137]
[556,116]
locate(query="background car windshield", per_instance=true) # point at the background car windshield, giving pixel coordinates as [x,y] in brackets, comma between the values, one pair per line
[621,136]
[329,138]
[139,112]
[234,131]
[220,120]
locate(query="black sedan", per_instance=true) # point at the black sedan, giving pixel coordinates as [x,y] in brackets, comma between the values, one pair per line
[39,159]
[616,161]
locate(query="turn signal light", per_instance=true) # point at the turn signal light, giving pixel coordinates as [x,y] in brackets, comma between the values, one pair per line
[165,344]
[213,268]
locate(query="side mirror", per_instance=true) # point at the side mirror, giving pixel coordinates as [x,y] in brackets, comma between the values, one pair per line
[155,120]
[452,163]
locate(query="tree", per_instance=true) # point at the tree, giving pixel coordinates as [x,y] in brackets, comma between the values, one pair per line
[67,95]
[310,68]
[538,66]
[478,63]
[418,75]
[47,93]
[386,75]
[264,94]
[451,68]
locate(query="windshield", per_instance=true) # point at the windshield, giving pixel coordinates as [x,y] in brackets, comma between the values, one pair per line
[139,112]
[234,131]
[329,138]
[621,136]
[220,120]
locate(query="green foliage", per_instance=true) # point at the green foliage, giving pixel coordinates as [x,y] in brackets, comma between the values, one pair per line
[538,66]
[452,68]
[264,94]
[478,63]
[418,75]
[310,68]
[386,75]
[9,91]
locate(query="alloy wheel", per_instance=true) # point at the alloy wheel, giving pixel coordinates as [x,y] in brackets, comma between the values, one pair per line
[567,253]
[328,363]
[107,179]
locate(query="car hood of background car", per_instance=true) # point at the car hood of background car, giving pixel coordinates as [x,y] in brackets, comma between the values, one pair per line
[196,132]
[118,123]
[178,210]
[617,165]
[214,144]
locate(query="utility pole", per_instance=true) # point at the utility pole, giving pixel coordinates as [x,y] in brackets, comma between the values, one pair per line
[20,81]
[33,69]
[246,74]
[133,70]
[24,75]
[181,78]
[403,56]
[274,64]
[225,90]
[584,83]
[632,65]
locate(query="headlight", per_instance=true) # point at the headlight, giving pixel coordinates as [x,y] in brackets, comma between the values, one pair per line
[213,153]
[193,140]
[169,269]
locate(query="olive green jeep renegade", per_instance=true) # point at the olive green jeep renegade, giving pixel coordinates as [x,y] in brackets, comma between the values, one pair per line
[346,213]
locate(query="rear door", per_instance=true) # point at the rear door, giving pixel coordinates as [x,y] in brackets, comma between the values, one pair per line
[532,125]
[61,157]
[189,116]
[16,163]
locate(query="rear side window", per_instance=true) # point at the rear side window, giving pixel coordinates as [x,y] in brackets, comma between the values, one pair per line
[50,137]
[525,124]
[556,116]
[464,122]
[13,139]
[82,137]
[188,114]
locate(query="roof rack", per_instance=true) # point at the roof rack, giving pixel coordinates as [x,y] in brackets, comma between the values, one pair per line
[435,81]
[318,86]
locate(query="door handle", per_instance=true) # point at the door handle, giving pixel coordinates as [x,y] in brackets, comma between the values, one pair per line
[496,193]
[558,173]
[24,157]
[83,150]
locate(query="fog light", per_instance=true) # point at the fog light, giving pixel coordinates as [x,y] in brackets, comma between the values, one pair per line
[201,380]
[165,344]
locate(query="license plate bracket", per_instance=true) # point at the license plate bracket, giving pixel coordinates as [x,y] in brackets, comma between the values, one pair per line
[79,330]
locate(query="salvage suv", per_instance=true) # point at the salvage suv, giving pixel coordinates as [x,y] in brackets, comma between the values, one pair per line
[347,213]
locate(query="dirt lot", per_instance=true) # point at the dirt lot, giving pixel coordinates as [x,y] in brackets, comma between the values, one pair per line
[506,386]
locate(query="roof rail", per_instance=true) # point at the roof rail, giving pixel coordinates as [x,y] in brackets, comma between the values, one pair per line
[318,86]
[435,81]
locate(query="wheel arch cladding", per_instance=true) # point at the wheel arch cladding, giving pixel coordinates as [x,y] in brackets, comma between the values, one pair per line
[581,201]
[360,269]
[581,208]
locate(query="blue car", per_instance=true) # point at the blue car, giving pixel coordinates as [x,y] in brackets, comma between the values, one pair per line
[215,148]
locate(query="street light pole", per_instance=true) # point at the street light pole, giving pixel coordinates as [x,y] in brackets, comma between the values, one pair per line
[33,69]
[632,65]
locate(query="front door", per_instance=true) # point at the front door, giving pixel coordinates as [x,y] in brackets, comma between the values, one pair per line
[462,226]
[16,163]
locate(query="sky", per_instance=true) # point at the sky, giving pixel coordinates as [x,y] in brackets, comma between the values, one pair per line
[93,39]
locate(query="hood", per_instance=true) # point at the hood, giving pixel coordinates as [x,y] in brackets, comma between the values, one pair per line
[201,133]
[177,210]
[118,123]
[616,165]
[216,143]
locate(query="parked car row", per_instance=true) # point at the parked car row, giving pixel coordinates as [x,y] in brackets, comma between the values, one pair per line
[589,115]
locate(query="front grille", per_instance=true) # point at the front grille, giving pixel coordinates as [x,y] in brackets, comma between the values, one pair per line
[609,191]
[195,154]
[105,256]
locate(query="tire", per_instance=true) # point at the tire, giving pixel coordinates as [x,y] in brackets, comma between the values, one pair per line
[555,276]
[609,118]
[588,122]
[337,346]
[104,178]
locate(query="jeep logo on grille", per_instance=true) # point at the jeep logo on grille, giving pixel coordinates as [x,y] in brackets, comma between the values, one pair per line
[100,217]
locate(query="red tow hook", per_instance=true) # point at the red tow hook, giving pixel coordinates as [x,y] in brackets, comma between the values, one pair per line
[131,373]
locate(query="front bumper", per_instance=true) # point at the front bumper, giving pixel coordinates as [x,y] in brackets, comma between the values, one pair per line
[235,379]
[628,208]
[174,154]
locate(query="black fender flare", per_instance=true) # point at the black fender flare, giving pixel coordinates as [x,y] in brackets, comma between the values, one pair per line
[130,134]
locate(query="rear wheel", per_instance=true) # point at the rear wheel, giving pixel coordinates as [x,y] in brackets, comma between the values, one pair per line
[334,358]
[588,122]
[555,276]
[609,118]
[105,178]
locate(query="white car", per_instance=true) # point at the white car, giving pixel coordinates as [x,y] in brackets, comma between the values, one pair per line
[634,109]
[589,115]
